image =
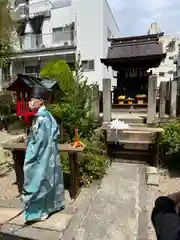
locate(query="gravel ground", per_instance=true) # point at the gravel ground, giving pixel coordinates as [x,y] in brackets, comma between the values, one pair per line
[7,176]
[8,190]
[167,186]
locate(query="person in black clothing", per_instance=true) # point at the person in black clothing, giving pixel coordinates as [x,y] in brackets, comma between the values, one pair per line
[165,217]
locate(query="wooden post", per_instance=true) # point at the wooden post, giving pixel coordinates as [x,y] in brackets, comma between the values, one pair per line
[18,158]
[74,167]
[106,100]
[152,88]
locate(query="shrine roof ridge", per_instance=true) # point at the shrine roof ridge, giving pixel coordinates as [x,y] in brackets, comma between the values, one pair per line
[31,82]
[147,37]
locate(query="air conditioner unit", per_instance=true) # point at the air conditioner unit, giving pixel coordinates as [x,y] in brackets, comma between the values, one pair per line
[66,43]
[42,46]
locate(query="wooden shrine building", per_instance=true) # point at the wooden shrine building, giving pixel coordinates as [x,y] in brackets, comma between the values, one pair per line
[23,86]
[133,58]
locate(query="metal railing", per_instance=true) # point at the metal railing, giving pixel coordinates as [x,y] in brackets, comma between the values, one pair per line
[32,74]
[56,39]
[22,9]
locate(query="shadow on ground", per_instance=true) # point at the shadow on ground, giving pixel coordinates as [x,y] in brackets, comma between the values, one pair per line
[5,236]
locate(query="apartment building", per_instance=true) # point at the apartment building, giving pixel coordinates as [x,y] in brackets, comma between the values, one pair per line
[60,29]
[167,68]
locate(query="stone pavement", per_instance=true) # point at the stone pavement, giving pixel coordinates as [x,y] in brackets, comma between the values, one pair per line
[113,209]
[116,210]
[52,228]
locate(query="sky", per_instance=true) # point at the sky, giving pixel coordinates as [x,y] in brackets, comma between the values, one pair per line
[135,16]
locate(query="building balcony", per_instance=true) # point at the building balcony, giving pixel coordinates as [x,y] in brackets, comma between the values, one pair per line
[46,41]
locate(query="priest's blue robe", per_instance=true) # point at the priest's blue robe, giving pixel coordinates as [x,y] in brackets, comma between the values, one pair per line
[43,189]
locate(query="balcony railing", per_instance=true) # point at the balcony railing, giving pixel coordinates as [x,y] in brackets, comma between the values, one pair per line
[22,9]
[32,74]
[61,39]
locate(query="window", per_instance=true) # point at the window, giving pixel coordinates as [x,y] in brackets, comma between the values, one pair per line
[31,41]
[161,74]
[32,70]
[171,58]
[170,72]
[64,34]
[88,65]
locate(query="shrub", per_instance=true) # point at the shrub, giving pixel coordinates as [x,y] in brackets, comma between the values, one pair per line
[92,163]
[169,144]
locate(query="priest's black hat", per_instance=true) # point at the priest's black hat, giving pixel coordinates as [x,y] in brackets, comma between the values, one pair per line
[39,93]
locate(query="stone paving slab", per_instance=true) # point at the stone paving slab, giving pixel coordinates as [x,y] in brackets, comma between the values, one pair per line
[57,222]
[114,209]
[16,232]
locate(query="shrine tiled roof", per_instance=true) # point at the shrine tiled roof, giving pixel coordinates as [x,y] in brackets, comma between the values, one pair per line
[26,82]
[137,47]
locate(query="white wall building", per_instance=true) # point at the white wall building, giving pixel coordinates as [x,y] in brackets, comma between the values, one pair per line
[60,29]
[167,68]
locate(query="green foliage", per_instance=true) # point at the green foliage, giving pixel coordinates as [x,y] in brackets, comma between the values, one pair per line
[6,37]
[169,144]
[60,71]
[92,162]
[73,108]
[7,103]
[71,105]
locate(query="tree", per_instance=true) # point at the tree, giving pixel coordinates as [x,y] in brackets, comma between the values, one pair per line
[72,101]
[73,107]
[6,29]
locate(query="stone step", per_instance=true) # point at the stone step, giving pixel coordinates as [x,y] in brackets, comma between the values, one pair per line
[130,135]
[131,120]
[137,125]
[130,155]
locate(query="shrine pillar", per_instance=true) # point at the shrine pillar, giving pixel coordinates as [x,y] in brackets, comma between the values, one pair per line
[162,103]
[95,102]
[106,100]
[173,99]
[152,88]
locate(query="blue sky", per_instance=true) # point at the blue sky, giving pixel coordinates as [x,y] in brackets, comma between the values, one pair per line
[135,16]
